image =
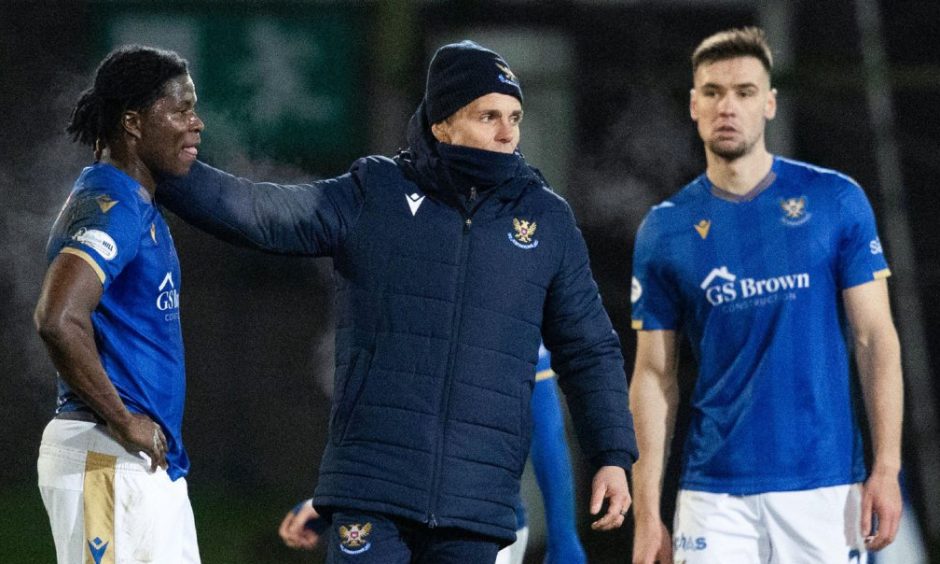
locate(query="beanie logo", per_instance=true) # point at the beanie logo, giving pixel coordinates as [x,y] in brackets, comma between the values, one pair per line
[507,75]
[525,230]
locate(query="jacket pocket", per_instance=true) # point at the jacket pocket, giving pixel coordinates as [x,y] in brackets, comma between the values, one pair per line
[347,394]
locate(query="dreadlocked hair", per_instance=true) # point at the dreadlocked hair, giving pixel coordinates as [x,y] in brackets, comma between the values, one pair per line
[131,77]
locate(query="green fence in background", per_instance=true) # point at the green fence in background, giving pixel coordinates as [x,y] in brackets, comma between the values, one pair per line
[281,83]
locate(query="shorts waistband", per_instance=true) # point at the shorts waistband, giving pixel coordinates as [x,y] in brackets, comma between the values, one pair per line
[70,440]
[87,416]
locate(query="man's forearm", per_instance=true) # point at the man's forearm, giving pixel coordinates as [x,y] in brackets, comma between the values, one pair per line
[654,397]
[653,400]
[72,349]
[879,362]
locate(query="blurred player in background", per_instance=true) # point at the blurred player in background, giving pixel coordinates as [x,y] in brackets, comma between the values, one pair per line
[302,526]
[552,467]
[112,463]
[756,261]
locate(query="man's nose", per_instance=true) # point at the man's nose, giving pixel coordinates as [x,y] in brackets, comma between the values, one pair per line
[505,132]
[727,104]
[198,124]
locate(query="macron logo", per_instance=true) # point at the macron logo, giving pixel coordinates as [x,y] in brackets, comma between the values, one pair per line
[97,548]
[414,202]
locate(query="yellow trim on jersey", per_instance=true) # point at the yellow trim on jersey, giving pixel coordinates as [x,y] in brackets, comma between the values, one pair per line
[544,374]
[882,274]
[87,258]
[106,203]
[636,324]
[98,493]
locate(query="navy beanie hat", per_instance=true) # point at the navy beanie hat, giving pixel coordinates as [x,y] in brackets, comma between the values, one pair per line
[462,72]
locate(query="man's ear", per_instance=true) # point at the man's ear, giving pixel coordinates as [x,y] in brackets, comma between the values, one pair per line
[131,123]
[770,109]
[439,130]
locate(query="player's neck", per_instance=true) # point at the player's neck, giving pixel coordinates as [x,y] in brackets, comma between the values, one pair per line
[128,163]
[739,176]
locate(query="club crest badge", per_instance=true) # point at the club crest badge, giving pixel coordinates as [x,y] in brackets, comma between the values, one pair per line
[794,211]
[636,290]
[353,538]
[507,75]
[524,231]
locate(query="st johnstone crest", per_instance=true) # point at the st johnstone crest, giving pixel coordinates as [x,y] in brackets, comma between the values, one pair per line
[507,75]
[794,211]
[352,538]
[524,231]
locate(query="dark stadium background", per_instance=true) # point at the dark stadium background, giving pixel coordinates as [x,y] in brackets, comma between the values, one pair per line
[606,85]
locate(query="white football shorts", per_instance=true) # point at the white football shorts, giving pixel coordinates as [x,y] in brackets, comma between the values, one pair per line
[104,504]
[514,553]
[810,526]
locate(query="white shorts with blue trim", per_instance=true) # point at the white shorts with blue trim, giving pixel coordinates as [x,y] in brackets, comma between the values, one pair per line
[810,526]
[105,506]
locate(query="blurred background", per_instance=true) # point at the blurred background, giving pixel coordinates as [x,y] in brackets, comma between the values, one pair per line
[293,90]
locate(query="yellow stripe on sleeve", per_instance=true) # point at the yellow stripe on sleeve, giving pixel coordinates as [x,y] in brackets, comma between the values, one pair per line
[882,274]
[637,324]
[87,258]
[98,495]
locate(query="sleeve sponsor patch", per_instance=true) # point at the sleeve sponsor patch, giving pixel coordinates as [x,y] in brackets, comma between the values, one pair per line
[98,241]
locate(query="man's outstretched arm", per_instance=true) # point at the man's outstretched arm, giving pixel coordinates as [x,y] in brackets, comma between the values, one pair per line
[296,219]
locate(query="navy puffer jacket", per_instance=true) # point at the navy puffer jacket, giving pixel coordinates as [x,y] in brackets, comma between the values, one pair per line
[441,303]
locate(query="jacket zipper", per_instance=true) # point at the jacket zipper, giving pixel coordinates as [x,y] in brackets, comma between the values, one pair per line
[438,473]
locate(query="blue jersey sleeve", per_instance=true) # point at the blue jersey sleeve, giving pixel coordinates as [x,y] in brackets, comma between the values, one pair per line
[101,228]
[300,219]
[653,299]
[861,258]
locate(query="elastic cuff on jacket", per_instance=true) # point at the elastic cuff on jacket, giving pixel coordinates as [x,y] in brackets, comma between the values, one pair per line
[621,458]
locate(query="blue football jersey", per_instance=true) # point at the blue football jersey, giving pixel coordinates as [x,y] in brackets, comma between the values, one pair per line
[110,221]
[755,284]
